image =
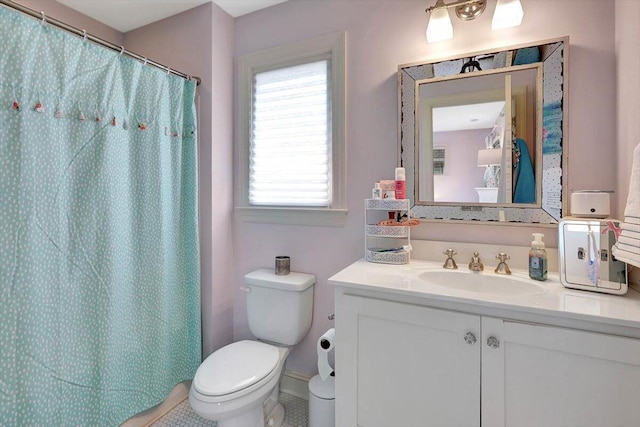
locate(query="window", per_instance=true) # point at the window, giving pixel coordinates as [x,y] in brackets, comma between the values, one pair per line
[438,160]
[290,140]
[291,144]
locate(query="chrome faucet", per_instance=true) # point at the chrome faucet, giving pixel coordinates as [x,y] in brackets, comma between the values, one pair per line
[450,263]
[502,267]
[476,264]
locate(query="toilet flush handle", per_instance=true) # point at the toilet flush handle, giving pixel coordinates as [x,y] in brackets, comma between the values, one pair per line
[245,289]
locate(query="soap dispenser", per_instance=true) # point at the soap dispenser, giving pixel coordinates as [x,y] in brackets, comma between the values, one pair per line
[538,258]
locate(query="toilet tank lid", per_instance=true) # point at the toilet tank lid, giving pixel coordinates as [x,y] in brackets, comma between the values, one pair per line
[267,278]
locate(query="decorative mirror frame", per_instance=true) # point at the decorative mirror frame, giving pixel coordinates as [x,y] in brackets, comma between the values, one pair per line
[549,209]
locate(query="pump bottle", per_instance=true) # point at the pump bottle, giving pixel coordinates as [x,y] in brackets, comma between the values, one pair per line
[538,258]
[400,184]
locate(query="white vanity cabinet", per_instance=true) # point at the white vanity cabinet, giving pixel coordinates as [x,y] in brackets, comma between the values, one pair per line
[536,375]
[405,364]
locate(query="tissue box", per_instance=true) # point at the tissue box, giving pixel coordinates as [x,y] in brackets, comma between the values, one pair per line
[590,204]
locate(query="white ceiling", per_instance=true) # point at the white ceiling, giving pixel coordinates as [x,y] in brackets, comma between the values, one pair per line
[127,15]
[466,117]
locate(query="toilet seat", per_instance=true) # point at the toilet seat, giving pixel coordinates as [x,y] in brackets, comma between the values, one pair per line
[236,369]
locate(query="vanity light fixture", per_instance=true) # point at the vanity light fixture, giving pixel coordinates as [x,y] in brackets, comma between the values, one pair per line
[508,13]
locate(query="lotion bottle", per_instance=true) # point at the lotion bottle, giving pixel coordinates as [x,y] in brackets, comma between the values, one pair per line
[400,183]
[538,258]
[376,193]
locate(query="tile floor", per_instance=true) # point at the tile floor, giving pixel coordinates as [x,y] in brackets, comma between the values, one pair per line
[295,409]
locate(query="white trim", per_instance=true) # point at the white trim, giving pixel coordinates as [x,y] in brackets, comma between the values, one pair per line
[292,216]
[295,384]
[335,45]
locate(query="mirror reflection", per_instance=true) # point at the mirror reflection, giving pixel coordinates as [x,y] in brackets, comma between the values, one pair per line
[478,137]
[481,135]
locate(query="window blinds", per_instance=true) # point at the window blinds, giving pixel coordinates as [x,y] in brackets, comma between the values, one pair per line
[290,145]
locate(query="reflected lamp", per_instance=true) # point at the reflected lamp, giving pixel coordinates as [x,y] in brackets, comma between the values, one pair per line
[490,158]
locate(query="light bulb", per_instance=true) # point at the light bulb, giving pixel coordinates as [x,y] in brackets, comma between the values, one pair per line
[508,13]
[440,27]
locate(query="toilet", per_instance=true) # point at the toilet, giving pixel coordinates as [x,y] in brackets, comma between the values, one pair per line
[238,385]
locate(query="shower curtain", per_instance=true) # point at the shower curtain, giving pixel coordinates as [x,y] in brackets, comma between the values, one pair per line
[99,261]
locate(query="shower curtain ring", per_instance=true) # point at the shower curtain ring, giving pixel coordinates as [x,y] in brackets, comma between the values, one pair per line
[168,71]
[145,61]
[121,50]
[44,18]
[84,35]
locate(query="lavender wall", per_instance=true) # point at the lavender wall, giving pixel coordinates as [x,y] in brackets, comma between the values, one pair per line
[627,35]
[627,38]
[380,35]
[200,42]
[461,175]
[74,18]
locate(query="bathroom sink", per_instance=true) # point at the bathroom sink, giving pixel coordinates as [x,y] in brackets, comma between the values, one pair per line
[484,283]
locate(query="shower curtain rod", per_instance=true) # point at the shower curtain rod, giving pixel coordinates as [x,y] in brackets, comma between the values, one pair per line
[83,33]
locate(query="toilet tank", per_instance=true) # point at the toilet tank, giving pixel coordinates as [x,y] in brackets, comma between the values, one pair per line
[279,308]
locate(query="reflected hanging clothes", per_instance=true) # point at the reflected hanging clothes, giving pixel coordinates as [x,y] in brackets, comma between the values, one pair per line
[524,190]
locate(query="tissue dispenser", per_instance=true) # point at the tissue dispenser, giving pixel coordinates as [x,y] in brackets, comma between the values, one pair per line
[590,204]
[586,261]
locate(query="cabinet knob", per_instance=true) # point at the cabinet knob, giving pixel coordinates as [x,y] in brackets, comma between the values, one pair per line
[470,338]
[493,342]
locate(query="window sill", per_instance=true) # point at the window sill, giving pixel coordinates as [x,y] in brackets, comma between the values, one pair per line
[293,216]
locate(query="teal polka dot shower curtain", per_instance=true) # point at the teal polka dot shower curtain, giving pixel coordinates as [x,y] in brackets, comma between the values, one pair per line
[99,262]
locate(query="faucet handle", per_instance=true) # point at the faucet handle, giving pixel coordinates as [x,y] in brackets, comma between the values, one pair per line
[476,264]
[450,263]
[502,257]
[502,267]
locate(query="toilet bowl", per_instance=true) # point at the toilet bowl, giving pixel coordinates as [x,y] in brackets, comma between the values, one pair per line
[238,385]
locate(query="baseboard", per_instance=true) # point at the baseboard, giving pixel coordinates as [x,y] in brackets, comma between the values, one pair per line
[295,384]
[179,393]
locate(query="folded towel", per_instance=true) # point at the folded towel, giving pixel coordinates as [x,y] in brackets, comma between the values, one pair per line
[627,249]
[632,234]
[630,227]
[632,220]
[634,243]
[633,201]
[624,255]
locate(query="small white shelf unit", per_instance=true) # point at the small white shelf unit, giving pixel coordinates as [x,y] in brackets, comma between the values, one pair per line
[378,239]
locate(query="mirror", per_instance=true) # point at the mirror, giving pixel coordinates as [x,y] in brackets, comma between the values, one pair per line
[462,123]
[485,144]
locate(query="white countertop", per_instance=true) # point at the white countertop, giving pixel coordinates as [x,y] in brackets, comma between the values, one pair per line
[553,304]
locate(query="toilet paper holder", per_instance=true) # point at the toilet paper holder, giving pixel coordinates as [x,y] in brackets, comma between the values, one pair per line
[324,346]
[324,343]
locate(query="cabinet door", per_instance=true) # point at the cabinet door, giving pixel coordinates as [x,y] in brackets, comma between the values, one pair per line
[405,365]
[547,376]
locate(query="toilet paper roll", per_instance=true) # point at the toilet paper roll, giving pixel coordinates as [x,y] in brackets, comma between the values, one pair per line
[325,345]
